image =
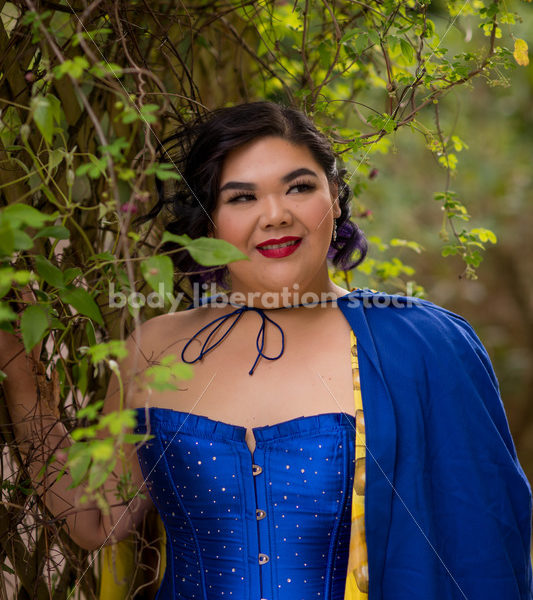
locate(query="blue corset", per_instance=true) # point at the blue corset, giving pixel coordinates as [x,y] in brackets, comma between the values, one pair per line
[276,527]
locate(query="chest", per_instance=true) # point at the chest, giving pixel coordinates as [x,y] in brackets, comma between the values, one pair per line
[312,376]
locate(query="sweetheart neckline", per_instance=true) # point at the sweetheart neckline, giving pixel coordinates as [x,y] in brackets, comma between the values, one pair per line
[202,426]
[241,428]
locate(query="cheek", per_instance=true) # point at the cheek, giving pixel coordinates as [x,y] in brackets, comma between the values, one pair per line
[320,218]
[230,228]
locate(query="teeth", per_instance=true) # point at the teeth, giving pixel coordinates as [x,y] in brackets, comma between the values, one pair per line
[284,245]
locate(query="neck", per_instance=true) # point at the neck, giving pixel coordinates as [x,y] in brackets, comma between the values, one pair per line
[284,299]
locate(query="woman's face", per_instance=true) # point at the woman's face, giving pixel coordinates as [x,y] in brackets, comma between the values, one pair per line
[275,204]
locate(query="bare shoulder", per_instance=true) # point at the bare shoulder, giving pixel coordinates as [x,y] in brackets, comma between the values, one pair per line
[164,335]
[145,346]
[169,330]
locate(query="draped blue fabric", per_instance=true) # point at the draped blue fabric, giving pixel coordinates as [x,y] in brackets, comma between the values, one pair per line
[276,530]
[447,505]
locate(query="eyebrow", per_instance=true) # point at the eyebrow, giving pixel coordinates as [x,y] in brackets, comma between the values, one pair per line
[241,185]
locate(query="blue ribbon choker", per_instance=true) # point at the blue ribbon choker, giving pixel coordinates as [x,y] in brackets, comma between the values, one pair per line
[237,314]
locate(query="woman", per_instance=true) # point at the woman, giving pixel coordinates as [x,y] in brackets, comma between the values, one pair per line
[257,465]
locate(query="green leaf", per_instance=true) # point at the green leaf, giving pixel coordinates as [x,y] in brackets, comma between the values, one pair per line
[6,313]
[458,143]
[163,171]
[378,242]
[119,421]
[99,352]
[22,214]
[146,113]
[135,438]
[207,251]
[473,259]
[99,473]
[115,148]
[382,122]
[325,53]
[101,69]
[374,36]
[158,271]
[349,35]
[361,43]
[130,115]
[73,67]
[91,334]
[212,252]
[34,325]
[90,411]
[55,323]
[449,250]
[22,277]
[125,174]
[79,459]
[55,107]
[182,240]
[83,432]
[70,274]
[80,372]
[393,42]
[83,302]
[163,376]
[43,116]
[54,158]
[22,240]
[7,275]
[7,237]
[102,450]
[408,244]
[484,235]
[407,50]
[94,169]
[59,232]
[49,272]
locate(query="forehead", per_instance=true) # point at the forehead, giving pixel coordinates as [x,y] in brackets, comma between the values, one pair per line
[264,158]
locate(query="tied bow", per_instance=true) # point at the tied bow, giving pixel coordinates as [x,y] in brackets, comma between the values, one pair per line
[236,314]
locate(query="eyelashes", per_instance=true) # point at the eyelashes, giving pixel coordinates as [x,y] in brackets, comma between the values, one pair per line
[306,185]
[236,197]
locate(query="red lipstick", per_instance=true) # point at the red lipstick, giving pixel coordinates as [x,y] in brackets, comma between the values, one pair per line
[279,248]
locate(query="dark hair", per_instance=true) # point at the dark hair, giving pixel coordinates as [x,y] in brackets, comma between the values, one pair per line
[198,150]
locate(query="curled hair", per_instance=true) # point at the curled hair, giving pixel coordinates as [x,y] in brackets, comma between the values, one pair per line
[198,149]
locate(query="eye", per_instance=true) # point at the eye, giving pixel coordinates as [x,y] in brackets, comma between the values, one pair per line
[301,187]
[240,198]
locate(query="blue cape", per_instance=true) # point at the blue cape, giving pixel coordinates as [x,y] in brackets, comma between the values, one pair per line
[447,505]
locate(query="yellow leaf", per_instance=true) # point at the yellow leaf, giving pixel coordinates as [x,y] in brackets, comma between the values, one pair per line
[520,52]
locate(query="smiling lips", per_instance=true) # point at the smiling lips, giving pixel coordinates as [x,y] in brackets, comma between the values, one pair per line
[279,248]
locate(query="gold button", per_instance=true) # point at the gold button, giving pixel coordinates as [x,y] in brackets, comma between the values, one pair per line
[260,514]
[263,559]
[256,469]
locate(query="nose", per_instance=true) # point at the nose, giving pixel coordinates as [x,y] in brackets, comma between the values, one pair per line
[275,212]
